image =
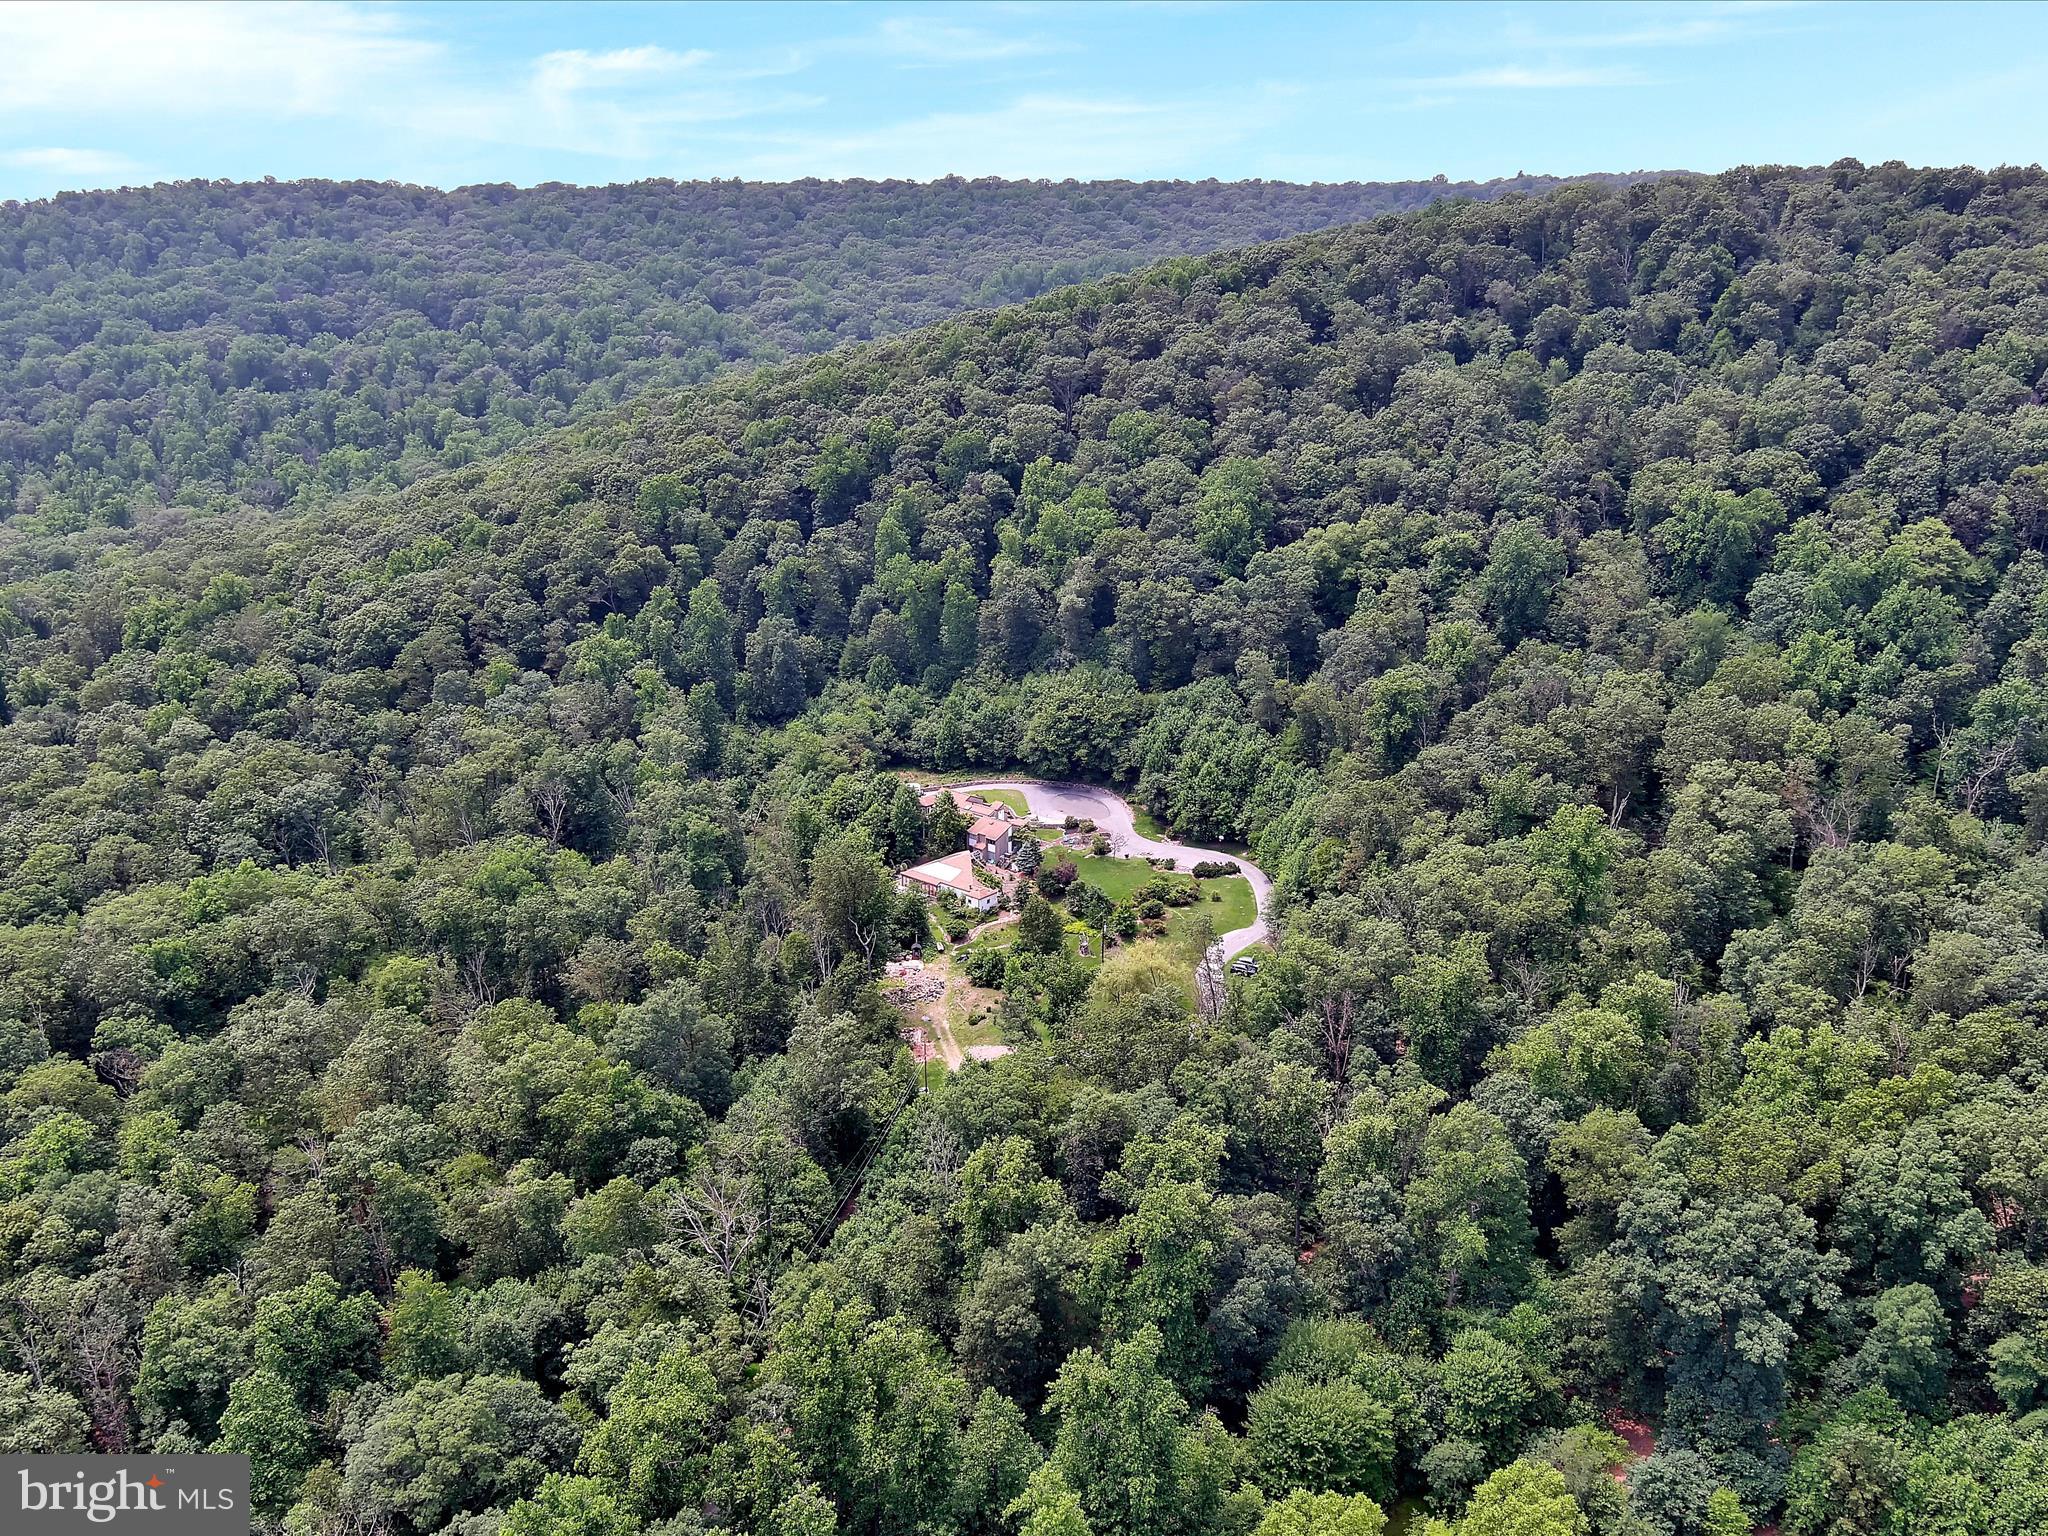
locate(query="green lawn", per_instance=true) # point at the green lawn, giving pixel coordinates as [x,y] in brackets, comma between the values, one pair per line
[1073,943]
[1148,825]
[1004,938]
[1013,798]
[988,1032]
[1229,903]
[1226,903]
[1117,877]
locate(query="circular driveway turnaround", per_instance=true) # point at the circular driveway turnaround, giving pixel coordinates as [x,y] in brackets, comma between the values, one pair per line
[1111,813]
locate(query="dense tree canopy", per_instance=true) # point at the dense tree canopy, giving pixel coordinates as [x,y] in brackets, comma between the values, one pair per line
[440,1043]
[290,341]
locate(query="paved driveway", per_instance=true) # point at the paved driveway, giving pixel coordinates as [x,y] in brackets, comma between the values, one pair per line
[1111,813]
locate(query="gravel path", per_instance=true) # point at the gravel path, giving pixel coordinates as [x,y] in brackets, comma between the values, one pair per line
[1111,813]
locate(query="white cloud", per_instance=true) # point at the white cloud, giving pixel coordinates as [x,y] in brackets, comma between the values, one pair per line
[574,69]
[374,69]
[635,109]
[74,165]
[198,59]
[921,39]
[1527,77]
[625,105]
[410,81]
[1534,58]
[1675,26]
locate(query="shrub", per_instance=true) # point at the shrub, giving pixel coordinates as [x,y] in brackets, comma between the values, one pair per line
[1054,880]
[984,965]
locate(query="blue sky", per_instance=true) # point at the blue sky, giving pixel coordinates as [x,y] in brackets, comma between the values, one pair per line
[95,95]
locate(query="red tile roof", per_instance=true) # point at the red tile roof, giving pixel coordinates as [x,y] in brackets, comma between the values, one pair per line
[954,873]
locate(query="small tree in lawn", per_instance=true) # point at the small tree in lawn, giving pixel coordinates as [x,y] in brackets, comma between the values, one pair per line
[1039,929]
[1089,904]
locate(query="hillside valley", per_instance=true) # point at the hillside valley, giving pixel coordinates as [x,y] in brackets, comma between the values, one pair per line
[285,343]
[443,1053]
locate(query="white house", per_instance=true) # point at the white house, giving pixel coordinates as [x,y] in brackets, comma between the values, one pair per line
[953,875]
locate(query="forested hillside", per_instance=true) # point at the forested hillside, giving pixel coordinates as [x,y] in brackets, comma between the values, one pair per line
[289,341]
[439,1022]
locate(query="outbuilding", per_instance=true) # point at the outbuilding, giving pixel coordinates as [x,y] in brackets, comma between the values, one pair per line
[951,876]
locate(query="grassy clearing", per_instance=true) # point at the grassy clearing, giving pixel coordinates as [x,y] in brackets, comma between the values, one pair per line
[1227,900]
[1001,938]
[987,1032]
[970,1012]
[1226,904]
[1073,942]
[1013,798]
[1229,903]
[934,778]
[1005,938]
[1145,824]
[1117,877]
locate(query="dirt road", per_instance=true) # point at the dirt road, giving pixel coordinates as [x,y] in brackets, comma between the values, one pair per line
[942,1036]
